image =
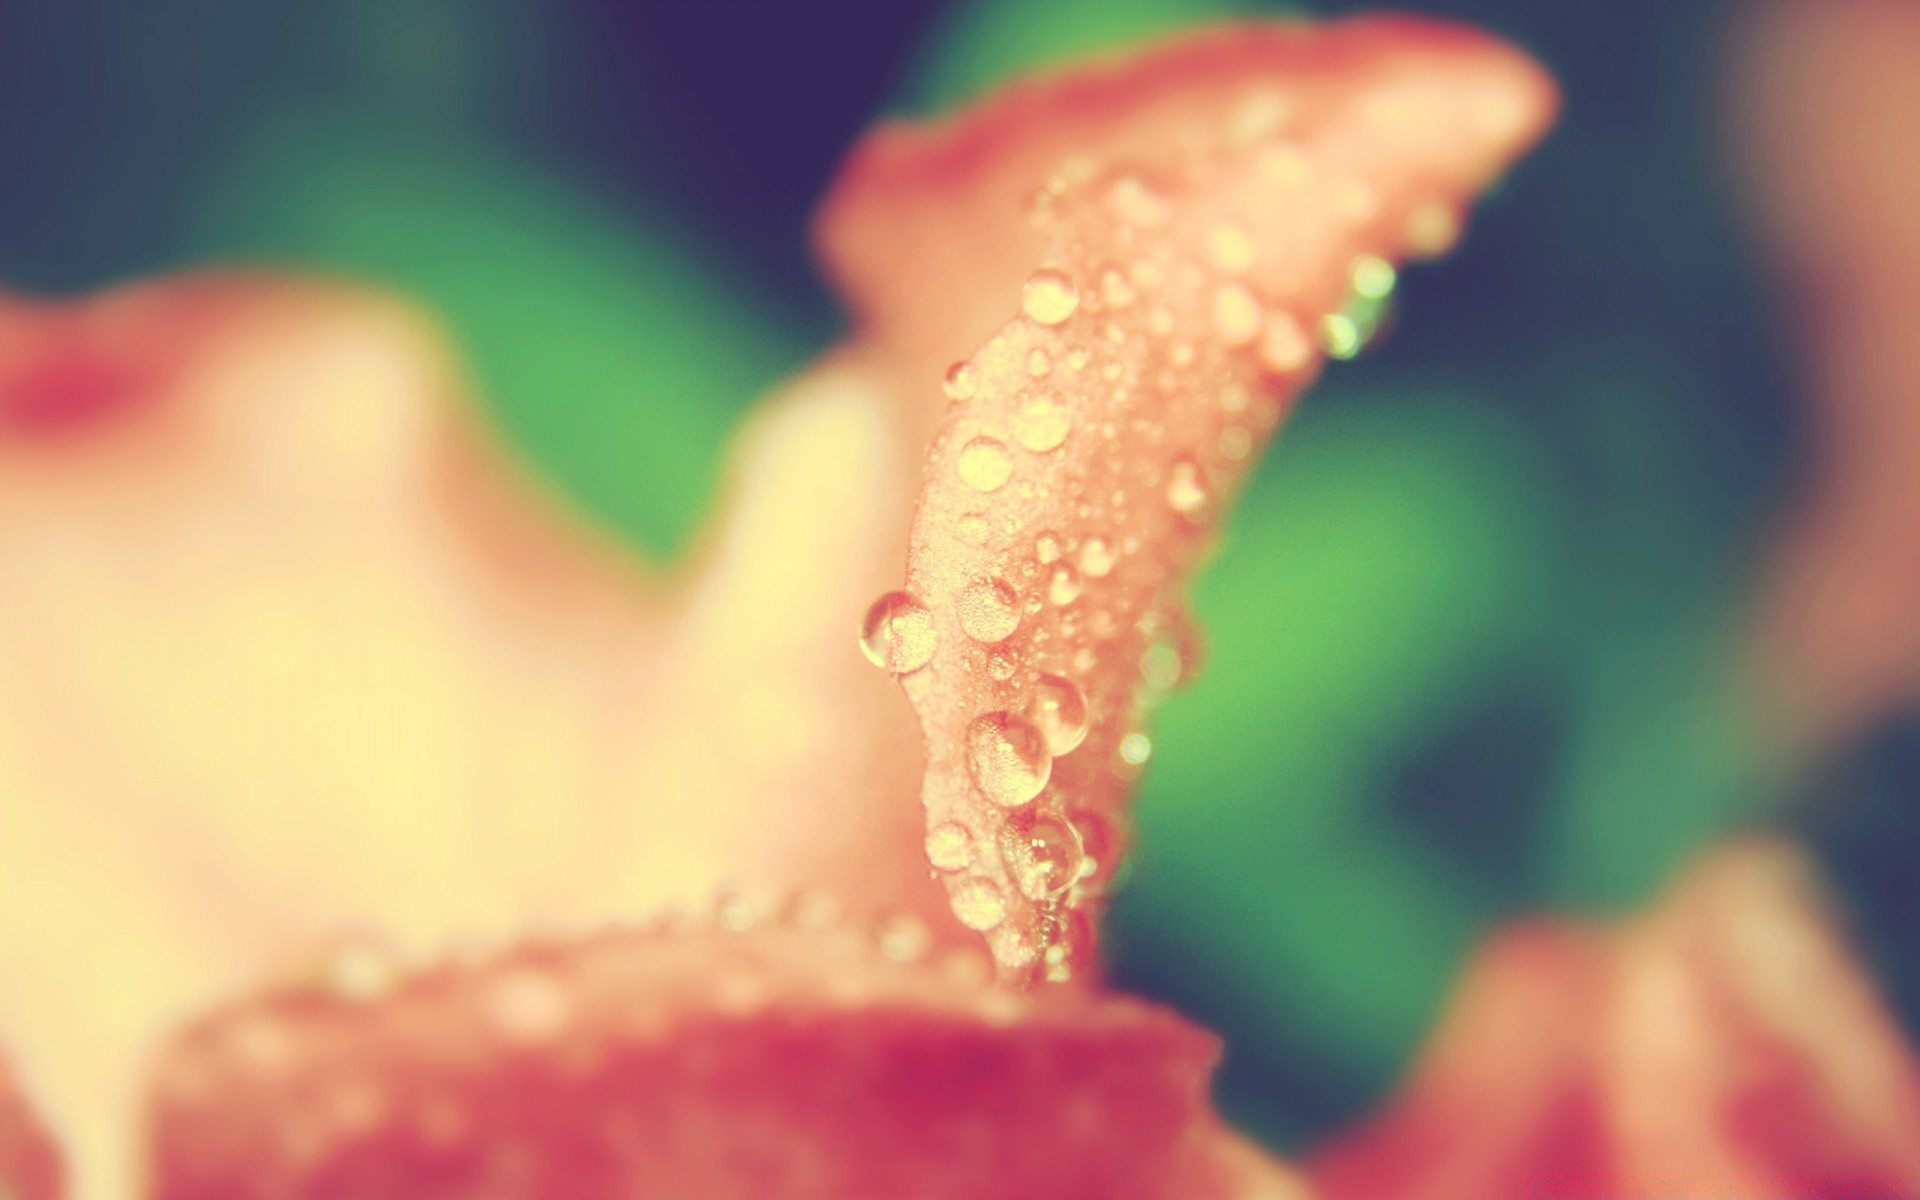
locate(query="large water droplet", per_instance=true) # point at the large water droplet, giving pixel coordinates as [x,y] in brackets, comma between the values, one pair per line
[962,382]
[1008,758]
[1041,425]
[984,464]
[897,633]
[1060,713]
[979,904]
[989,610]
[1042,854]
[1097,557]
[1049,297]
[949,847]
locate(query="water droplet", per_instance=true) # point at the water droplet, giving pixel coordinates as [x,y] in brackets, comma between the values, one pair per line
[1187,492]
[1063,586]
[897,633]
[979,904]
[1008,757]
[1049,297]
[1060,713]
[1136,749]
[1432,229]
[1097,557]
[962,382]
[1284,346]
[903,938]
[984,464]
[1042,854]
[1114,286]
[1372,277]
[949,847]
[1236,314]
[1160,667]
[1136,204]
[989,610]
[974,529]
[1001,665]
[1041,425]
[1078,358]
[1046,547]
[1013,948]
[1038,364]
[1230,248]
[1340,334]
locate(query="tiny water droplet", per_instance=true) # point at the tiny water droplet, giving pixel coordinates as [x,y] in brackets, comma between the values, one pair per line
[1097,557]
[1283,344]
[979,904]
[1236,314]
[1078,358]
[1160,320]
[1372,277]
[949,847]
[1038,363]
[1046,547]
[1042,854]
[984,464]
[1008,758]
[1136,749]
[1340,335]
[1114,286]
[1001,666]
[974,529]
[1049,297]
[1230,248]
[1041,425]
[1064,586]
[903,938]
[897,633]
[1187,491]
[1060,713]
[989,610]
[962,382]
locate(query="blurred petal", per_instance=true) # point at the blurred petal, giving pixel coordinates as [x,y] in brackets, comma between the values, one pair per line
[1825,100]
[786,1059]
[1152,254]
[1725,1043]
[30,1167]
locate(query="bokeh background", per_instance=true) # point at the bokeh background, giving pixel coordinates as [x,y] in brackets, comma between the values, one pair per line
[1475,634]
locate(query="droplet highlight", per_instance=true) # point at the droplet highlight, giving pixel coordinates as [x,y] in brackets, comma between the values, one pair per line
[1008,757]
[984,464]
[1042,854]
[989,610]
[1041,425]
[897,633]
[978,904]
[949,847]
[1060,713]
[1049,297]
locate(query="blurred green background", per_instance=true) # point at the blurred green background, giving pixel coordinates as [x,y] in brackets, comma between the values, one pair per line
[1473,627]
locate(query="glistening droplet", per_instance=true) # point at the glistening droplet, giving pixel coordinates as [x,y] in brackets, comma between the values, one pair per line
[1008,757]
[979,904]
[962,382]
[1041,425]
[1060,713]
[989,610]
[897,633]
[949,847]
[1042,854]
[1050,297]
[984,464]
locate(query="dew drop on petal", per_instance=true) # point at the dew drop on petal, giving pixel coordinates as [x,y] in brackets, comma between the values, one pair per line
[1064,586]
[1097,557]
[897,633]
[1060,713]
[984,464]
[1049,297]
[1008,758]
[949,847]
[989,610]
[1039,363]
[1236,314]
[962,382]
[1046,547]
[1042,854]
[1187,491]
[1136,749]
[1041,425]
[1114,286]
[979,905]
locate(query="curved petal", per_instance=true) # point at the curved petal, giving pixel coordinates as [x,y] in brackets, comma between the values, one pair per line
[1153,254]
[791,1058]
[1725,1043]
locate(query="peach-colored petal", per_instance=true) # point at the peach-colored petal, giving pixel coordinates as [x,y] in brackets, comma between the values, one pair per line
[289,649]
[1723,1044]
[1826,99]
[1198,223]
[30,1167]
[790,1059]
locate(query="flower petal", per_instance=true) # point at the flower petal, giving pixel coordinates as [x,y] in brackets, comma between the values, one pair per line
[30,1167]
[1725,1043]
[1154,255]
[789,1059]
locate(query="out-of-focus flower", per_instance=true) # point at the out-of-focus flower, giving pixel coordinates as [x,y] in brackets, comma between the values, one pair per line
[290,650]
[1724,1043]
